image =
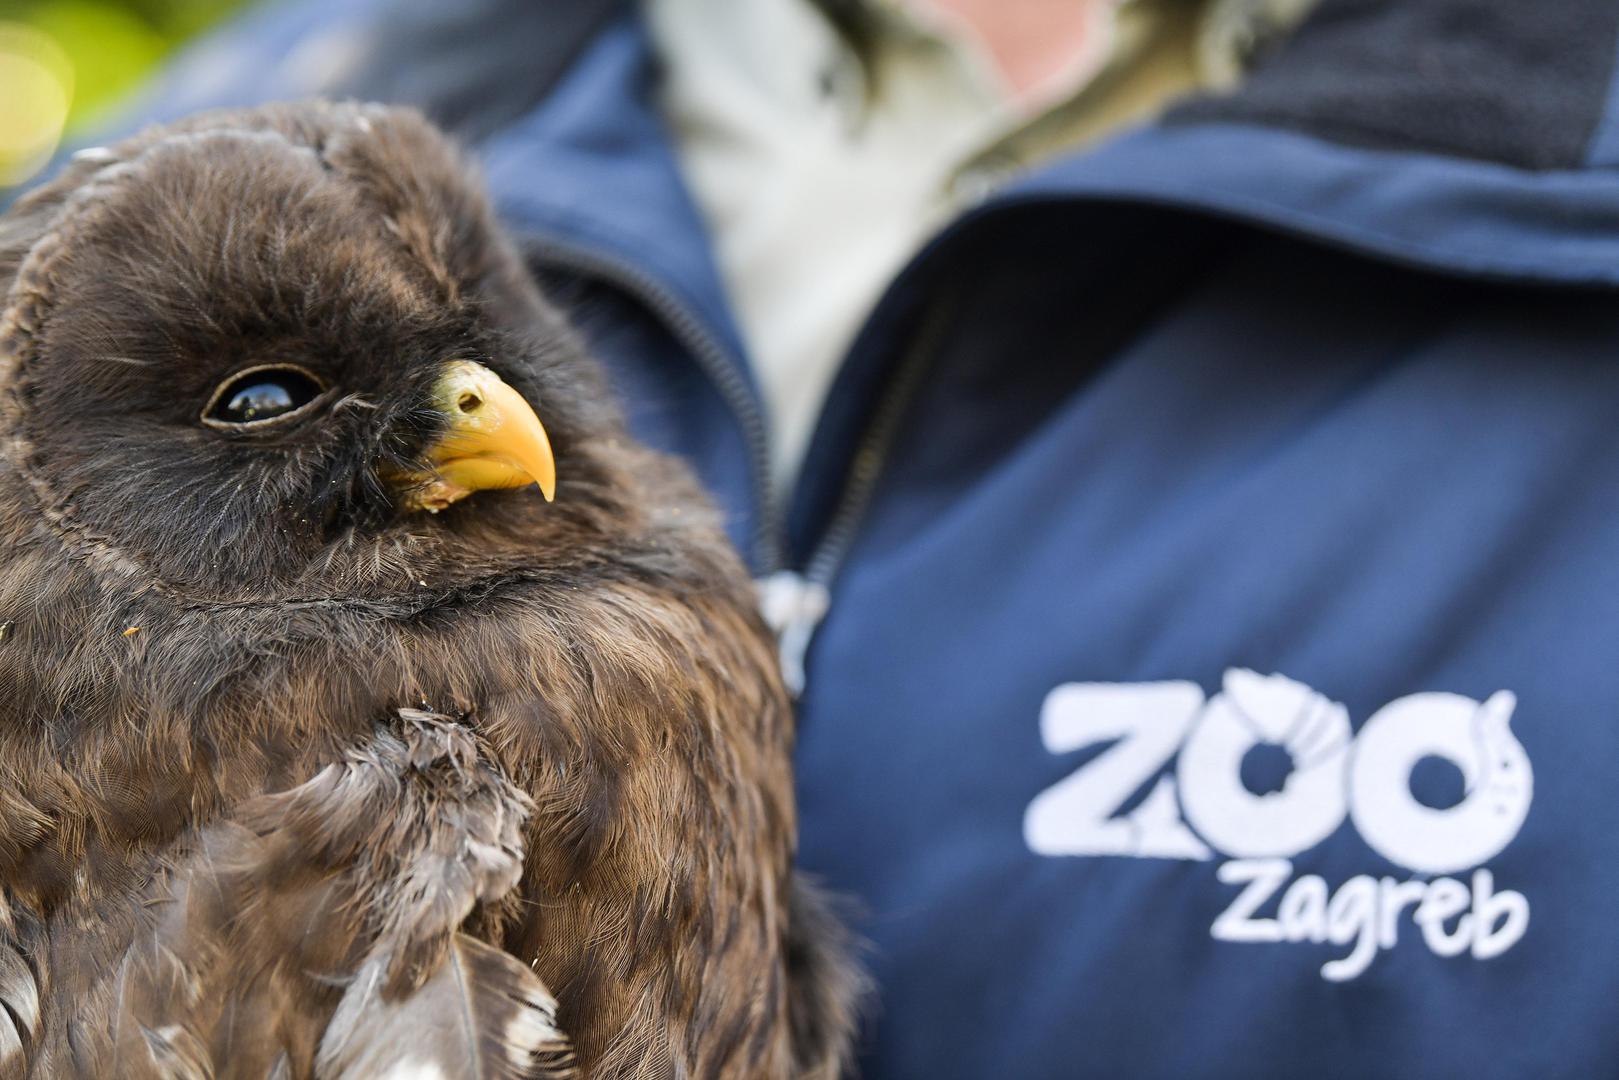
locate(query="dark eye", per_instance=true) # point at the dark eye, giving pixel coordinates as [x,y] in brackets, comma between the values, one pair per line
[262,393]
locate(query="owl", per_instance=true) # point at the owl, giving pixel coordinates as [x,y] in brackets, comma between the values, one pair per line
[371,704]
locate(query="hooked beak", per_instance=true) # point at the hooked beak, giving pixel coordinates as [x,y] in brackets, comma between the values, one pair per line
[494,440]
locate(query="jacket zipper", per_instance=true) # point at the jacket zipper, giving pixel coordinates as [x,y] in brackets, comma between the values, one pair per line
[769,536]
[794,603]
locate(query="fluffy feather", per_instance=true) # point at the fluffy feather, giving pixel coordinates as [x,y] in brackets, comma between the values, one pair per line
[360,768]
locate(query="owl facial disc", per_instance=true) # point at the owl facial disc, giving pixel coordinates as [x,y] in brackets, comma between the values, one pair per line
[494,441]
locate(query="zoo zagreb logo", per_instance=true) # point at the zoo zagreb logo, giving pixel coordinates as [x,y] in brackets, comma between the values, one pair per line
[1204,807]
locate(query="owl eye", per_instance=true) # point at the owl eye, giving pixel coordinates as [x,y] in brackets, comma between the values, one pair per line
[261,394]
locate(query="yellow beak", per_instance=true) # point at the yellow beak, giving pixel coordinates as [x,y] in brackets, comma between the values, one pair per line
[494,440]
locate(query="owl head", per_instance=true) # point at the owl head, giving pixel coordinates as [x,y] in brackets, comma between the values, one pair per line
[287,352]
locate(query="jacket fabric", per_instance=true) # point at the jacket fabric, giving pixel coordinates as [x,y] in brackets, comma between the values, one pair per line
[1214,537]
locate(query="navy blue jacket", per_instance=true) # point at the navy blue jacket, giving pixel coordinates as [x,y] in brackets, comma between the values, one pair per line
[1221,533]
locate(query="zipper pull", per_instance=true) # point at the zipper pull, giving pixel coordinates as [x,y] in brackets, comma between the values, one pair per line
[793,607]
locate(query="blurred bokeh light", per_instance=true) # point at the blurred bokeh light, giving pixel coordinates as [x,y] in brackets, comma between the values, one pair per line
[64,64]
[36,84]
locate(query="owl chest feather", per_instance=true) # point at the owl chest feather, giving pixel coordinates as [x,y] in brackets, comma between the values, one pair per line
[646,728]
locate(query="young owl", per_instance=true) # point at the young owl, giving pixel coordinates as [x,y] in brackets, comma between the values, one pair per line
[370,704]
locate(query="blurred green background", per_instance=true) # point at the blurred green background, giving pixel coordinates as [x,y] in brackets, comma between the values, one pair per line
[66,63]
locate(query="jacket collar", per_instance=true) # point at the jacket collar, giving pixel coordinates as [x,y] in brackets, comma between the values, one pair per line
[593,169]
[1450,215]
[1330,140]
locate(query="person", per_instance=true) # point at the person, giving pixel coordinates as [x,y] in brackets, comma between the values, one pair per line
[1177,443]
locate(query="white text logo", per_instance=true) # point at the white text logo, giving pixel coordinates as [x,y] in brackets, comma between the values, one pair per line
[1204,807]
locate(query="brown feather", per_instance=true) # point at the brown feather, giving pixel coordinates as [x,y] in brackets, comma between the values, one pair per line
[255,814]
